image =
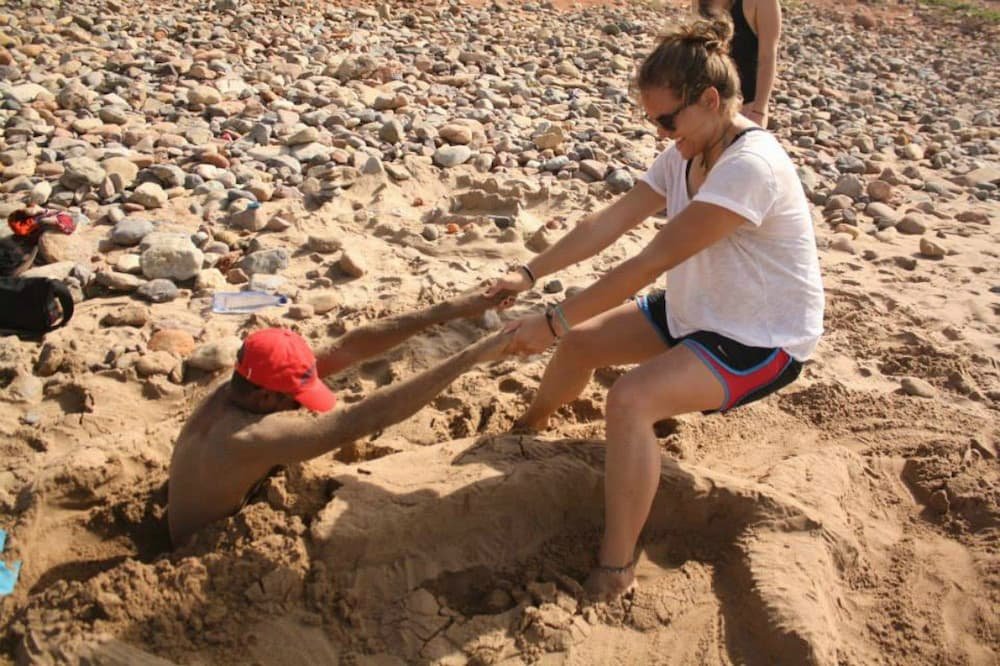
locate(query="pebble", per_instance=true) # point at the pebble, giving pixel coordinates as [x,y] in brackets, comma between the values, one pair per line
[131,231]
[451,156]
[127,315]
[158,291]
[177,342]
[917,387]
[930,249]
[216,355]
[171,257]
[351,265]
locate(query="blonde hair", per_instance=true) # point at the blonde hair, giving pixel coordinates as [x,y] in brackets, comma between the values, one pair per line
[692,59]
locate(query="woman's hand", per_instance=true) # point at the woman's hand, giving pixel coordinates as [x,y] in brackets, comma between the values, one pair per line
[532,335]
[515,281]
[759,117]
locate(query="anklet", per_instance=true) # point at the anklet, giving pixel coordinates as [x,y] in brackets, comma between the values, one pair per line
[616,570]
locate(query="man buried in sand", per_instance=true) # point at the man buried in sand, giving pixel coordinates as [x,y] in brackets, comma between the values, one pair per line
[249,426]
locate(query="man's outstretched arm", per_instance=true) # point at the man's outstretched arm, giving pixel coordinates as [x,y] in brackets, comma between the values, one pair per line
[284,439]
[381,335]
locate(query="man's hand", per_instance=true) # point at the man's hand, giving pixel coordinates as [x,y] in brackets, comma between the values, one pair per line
[509,286]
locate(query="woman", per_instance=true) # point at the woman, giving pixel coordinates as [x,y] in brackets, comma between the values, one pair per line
[744,305]
[754,48]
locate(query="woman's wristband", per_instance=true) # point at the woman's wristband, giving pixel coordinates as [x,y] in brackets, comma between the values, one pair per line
[527,271]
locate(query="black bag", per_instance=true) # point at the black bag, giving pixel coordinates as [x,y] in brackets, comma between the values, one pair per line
[32,305]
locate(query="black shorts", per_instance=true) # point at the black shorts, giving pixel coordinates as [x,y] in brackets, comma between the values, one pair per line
[746,373]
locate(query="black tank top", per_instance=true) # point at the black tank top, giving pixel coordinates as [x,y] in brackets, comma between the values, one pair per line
[743,49]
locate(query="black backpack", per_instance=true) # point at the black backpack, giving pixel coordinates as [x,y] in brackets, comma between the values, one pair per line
[32,305]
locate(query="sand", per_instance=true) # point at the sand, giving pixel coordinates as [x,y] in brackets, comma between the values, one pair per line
[844,520]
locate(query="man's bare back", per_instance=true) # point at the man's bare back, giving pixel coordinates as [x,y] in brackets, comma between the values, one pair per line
[226,448]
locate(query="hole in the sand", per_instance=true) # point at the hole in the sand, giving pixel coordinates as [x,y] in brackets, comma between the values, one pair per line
[140,518]
[666,427]
[511,385]
[485,416]
[7,376]
[72,398]
[583,410]
[607,376]
[380,371]
[75,571]
[471,592]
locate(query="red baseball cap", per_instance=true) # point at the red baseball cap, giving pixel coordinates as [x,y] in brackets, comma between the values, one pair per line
[279,360]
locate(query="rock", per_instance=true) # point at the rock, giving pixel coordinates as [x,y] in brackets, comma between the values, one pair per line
[350,265]
[917,387]
[301,311]
[129,263]
[913,151]
[156,363]
[216,355]
[50,359]
[210,279]
[26,388]
[939,502]
[265,261]
[843,243]
[850,185]
[158,291]
[175,341]
[116,281]
[40,193]
[267,283]
[81,172]
[304,136]
[594,169]
[879,190]
[278,223]
[553,287]
[58,271]
[430,232]
[548,138]
[322,301]
[391,131]
[130,232]
[457,134]
[129,315]
[911,224]
[620,181]
[125,170]
[931,249]
[55,247]
[149,195]
[172,258]
[324,243]
[204,95]
[451,156]
[252,218]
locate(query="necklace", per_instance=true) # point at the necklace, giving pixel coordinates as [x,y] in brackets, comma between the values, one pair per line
[704,160]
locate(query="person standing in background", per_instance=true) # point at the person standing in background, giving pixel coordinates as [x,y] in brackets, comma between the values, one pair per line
[754,49]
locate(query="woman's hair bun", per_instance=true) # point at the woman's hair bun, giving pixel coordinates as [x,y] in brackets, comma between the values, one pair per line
[714,31]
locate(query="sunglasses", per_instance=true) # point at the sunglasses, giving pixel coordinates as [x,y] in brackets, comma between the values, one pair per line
[668,120]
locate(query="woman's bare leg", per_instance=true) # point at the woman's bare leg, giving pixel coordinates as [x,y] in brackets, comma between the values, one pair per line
[619,336]
[675,382]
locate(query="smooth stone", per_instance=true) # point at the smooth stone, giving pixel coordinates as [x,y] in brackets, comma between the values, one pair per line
[930,249]
[149,195]
[350,265]
[216,355]
[129,263]
[911,224]
[265,261]
[620,181]
[324,243]
[322,301]
[130,232]
[128,315]
[158,291]
[174,341]
[116,281]
[452,156]
[917,387]
[174,259]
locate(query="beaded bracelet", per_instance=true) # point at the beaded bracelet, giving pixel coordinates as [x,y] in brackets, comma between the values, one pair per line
[548,320]
[562,317]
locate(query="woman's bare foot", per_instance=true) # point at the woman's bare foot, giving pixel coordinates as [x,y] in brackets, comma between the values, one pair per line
[609,583]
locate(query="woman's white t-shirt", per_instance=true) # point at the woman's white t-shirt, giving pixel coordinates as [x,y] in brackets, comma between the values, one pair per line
[761,284]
